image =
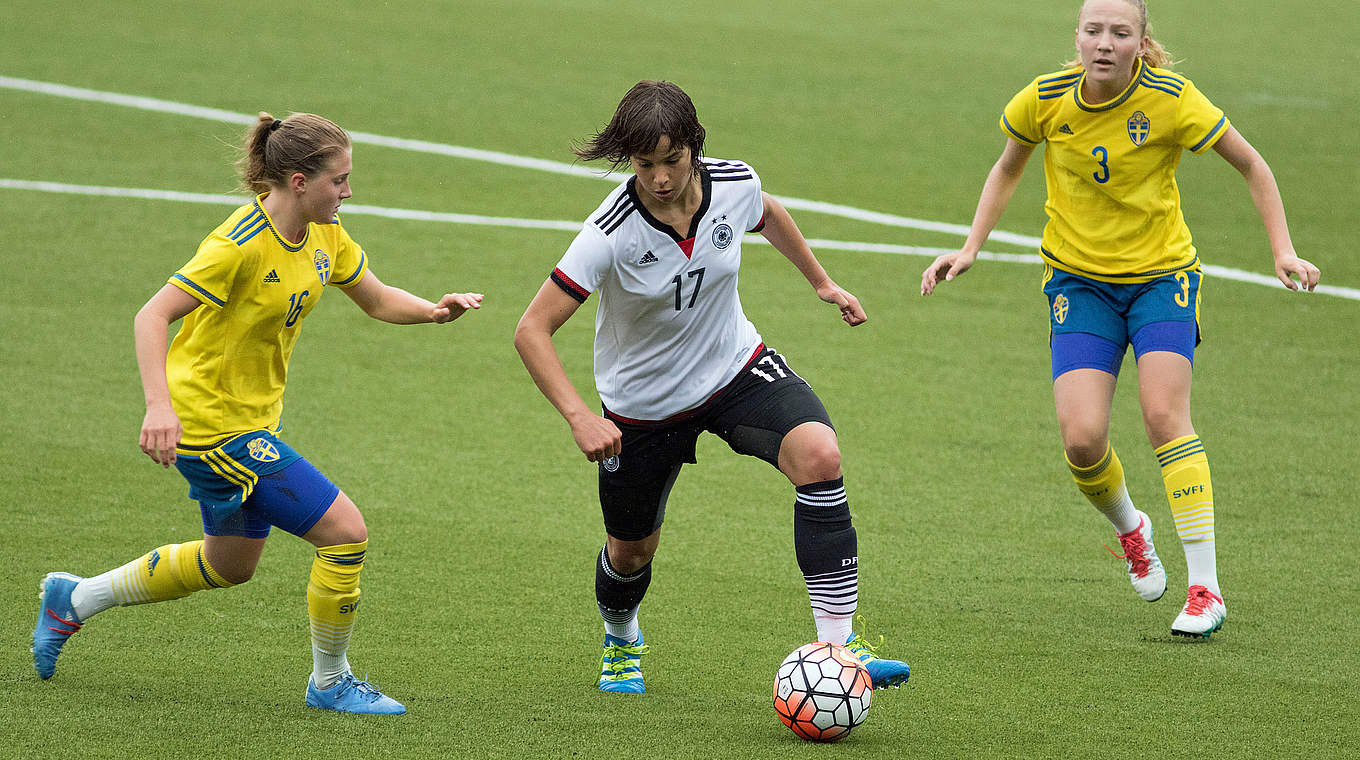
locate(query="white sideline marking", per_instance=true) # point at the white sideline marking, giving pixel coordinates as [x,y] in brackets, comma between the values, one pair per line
[552,224]
[475,154]
[439,216]
[507,159]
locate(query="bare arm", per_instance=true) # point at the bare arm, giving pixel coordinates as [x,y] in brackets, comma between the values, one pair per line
[161,429]
[996,195]
[1235,149]
[394,305]
[597,437]
[784,235]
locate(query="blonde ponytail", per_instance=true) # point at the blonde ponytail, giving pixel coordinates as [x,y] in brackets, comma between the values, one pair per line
[1156,56]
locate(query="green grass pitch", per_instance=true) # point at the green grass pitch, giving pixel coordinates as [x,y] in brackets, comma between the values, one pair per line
[982,565]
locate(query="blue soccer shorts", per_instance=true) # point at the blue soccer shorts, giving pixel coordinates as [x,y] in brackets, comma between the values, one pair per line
[255,481]
[1092,322]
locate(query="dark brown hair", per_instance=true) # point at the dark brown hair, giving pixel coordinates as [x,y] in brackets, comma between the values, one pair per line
[274,149]
[649,111]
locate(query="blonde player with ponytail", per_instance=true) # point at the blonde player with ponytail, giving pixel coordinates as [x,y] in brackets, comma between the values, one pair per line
[1120,270]
[213,404]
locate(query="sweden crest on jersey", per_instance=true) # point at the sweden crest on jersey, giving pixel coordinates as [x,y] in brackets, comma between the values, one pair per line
[323,265]
[1140,126]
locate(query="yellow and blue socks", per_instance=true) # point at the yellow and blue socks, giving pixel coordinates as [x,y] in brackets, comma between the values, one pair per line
[176,570]
[1189,490]
[332,606]
[167,572]
[1103,485]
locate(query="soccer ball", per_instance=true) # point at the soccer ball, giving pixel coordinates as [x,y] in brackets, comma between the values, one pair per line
[821,691]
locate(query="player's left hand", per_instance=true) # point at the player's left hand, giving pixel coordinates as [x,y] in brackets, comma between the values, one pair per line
[851,311]
[1308,275]
[452,306]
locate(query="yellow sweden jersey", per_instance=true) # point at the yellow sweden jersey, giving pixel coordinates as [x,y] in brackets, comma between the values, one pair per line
[228,364]
[1113,206]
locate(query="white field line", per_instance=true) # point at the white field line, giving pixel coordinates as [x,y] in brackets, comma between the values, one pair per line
[439,216]
[568,226]
[475,154]
[507,159]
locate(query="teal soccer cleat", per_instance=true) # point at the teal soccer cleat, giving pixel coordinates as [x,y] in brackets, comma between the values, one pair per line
[883,673]
[56,621]
[350,695]
[621,665]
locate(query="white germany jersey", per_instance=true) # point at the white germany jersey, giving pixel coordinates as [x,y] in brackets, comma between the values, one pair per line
[669,331]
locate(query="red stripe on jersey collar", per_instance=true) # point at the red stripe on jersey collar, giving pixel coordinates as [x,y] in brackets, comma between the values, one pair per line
[686,245]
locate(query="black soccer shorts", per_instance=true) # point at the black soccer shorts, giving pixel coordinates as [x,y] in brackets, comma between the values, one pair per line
[752,414]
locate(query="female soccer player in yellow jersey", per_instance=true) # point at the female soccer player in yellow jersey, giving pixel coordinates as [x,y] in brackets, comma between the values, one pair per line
[1120,269]
[213,404]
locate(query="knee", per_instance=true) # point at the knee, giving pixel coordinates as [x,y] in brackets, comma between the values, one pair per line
[230,559]
[1165,422]
[1085,447]
[825,460]
[628,557]
[343,523]
[354,534]
[238,576]
[629,561]
[817,460]
[350,528]
[237,570]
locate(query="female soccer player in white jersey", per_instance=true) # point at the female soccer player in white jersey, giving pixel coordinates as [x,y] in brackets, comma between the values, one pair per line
[675,356]
[1120,269]
[213,404]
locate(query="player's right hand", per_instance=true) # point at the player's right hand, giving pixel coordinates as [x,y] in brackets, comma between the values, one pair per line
[946,266]
[161,433]
[597,437]
[1291,264]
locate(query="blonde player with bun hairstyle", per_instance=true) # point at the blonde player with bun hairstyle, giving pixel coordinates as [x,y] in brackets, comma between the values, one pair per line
[214,402]
[1120,270]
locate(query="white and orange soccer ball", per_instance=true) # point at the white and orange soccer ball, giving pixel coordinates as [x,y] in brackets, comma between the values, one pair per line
[821,691]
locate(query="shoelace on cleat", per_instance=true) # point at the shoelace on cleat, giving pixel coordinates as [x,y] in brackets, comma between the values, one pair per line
[369,691]
[859,645]
[1198,600]
[1135,552]
[617,656]
[71,625]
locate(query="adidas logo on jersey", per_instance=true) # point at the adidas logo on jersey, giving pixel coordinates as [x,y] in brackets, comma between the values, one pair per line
[273,276]
[1064,129]
[648,258]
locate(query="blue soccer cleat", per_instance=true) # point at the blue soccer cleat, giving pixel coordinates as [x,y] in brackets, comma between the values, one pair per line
[350,695]
[621,665]
[56,621]
[883,673]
